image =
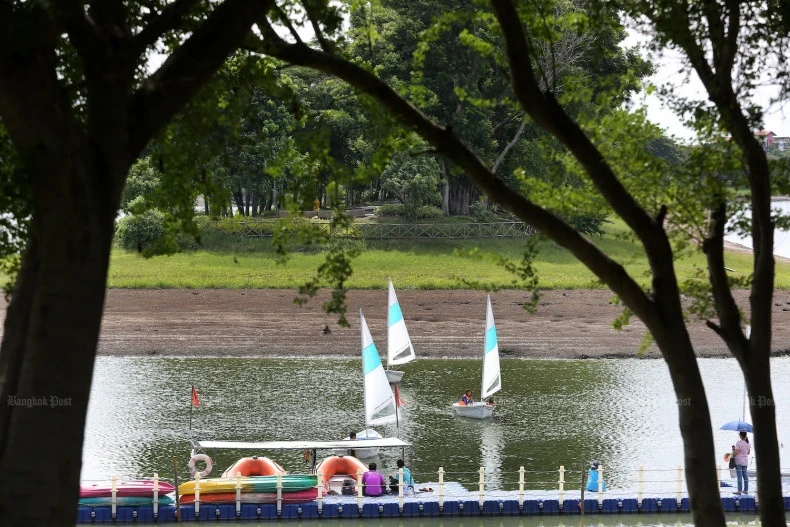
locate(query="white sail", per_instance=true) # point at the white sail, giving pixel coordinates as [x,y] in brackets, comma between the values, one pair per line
[379,400]
[492,381]
[399,348]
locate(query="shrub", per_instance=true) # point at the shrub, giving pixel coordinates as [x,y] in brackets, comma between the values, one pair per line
[137,232]
[429,212]
[480,213]
[391,209]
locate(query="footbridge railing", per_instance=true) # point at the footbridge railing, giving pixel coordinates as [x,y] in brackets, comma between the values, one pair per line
[389,231]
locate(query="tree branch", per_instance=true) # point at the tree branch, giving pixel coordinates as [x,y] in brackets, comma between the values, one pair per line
[725,99]
[547,112]
[285,20]
[190,66]
[726,308]
[509,146]
[168,19]
[446,142]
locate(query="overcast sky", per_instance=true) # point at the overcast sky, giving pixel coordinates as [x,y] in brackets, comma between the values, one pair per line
[670,71]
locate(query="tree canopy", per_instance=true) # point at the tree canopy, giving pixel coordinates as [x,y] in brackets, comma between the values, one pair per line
[519,100]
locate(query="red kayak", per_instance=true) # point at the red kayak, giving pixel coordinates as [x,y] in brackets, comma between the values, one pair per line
[299,496]
[140,488]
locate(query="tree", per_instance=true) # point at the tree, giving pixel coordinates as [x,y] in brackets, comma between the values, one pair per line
[79,108]
[709,25]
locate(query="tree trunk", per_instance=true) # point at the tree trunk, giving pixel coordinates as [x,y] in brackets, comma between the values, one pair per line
[46,397]
[766,447]
[445,189]
[206,208]
[694,418]
[238,197]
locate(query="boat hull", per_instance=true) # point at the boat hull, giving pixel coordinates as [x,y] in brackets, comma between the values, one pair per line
[142,488]
[300,496]
[253,466]
[362,453]
[474,410]
[394,376]
[290,482]
[125,501]
[335,469]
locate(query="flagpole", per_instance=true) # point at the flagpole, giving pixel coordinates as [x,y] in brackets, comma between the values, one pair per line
[191,407]
[397,408]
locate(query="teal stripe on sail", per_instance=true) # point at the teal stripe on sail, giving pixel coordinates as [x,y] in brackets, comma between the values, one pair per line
[370,358]
[395,314]
[490,338]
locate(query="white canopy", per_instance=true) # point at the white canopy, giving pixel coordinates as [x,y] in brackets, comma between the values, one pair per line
[301,445]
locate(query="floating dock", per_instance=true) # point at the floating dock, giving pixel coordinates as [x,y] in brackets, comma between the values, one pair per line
[459,503]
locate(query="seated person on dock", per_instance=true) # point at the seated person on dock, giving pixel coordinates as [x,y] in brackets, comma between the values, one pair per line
[592,478]
[408,481]
[373,482]
[466,398]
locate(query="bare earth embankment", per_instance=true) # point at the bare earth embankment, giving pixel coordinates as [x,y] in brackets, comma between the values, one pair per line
[568,324]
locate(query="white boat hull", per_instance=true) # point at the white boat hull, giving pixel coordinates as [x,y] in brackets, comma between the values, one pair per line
[362,453]
[394,376]
[474,410]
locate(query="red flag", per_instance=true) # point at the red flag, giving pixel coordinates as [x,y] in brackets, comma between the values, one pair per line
[398,401]
[195,400]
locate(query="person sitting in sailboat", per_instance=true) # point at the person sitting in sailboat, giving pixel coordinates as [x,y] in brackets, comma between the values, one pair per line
[466,398]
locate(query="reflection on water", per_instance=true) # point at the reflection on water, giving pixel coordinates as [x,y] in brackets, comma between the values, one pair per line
[550,413]
[621,520]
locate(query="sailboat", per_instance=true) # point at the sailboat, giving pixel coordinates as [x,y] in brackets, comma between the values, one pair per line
[492,382]
[399,348]
[380,407]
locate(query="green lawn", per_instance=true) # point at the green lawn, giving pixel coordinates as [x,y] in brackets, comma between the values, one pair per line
[413,264]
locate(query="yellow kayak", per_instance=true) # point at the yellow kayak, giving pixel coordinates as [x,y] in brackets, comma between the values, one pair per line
[290,482]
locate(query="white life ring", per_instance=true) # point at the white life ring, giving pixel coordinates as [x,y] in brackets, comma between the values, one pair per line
[204,458]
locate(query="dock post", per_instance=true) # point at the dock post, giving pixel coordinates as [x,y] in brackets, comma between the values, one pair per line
[320,498]
[680,482]
[114,501]
[482,485]
[640,486]
[279,493]
[197,494]
[521,488]
[718,476]
[600,485]
[359,490]
[441,489]
[156,495]
[562,484]
[400,489]
[238,494]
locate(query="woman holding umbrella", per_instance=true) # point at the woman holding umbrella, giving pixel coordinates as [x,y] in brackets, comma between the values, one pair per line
[741,451]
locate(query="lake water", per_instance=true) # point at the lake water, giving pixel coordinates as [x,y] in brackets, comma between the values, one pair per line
[781,238]
[551,413]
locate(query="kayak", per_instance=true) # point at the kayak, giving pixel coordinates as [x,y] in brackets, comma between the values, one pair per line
[290,482]
[125,501]
[300,496]
[132,488]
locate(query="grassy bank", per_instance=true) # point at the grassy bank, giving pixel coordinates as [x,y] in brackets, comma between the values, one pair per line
[413,264]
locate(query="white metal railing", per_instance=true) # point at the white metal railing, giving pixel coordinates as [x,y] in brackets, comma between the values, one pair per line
[520,485]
